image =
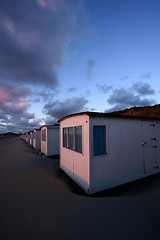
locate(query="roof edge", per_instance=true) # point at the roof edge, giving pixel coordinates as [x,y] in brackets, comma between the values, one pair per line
[109,115]
[50,126]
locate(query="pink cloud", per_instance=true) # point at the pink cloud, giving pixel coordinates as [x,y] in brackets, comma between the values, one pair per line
[38,120]
[22,105]
[4,95]
[42,3]
[54,4]
[7,24]
[57,5]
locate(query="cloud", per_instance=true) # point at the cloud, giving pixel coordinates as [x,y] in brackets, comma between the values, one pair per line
[17,118]
[146,75]
[58,109]
[49,120]
[104,88]
[90,65]
[42,3]
[14,113]
[123,96]
[19,126]
[72,89]
[134,96]
[88,92]
[13,93]
[124,77]
[143,88]
[117,107]
[35,36]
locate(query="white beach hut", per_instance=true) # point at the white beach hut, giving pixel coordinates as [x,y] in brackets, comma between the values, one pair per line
[50,140]
[31,137]
[100,150]
[28,137]
[37,138]
[24,136]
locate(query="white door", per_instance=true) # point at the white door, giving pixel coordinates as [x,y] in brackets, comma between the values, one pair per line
[150,146]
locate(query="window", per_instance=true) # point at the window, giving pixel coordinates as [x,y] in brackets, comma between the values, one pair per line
[78,139]
[99,140]
[44,135]
[65,137]
[72,138]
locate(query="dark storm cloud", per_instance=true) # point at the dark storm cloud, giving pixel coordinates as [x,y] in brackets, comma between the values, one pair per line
[117,107]
[50,120]
[90,66]
[12,127]
[10,92]
[143,88]
[58,109]
[132,97]
[18,119]
[125,77]
[22,122]
[104,88]
[72,89]
[14,113]
[34,38]
[43,94]
[125,96]
[146,75]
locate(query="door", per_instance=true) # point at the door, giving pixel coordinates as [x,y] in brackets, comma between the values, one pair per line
[150,146]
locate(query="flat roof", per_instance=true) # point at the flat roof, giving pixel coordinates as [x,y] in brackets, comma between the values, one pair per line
[108,115]
[50,126]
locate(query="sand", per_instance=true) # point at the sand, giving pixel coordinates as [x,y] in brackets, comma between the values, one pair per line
[38,201]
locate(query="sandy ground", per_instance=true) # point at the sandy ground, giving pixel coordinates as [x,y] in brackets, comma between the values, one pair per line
[38,201]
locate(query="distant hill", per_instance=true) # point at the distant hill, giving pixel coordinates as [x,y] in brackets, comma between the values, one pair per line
[8,134]
[148,111]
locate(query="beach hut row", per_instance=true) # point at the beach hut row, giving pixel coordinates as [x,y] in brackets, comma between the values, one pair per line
[45,139]
[101,150]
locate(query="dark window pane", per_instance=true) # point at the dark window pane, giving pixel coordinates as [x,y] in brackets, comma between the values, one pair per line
[99,140]
[65,137]
[78,139]
[70,138]
[44,135]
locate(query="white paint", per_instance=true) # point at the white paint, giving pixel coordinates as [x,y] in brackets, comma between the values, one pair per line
[127,159]
[31,138]
[23,136]
[77,165]
[51,145]
[37,138]
[28,137]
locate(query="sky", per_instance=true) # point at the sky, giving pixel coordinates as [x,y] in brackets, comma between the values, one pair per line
[59,57]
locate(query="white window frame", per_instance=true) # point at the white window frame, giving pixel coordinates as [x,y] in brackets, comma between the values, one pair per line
[73,138]
[106,142]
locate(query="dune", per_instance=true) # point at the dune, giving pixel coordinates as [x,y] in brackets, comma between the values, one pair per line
[38,201]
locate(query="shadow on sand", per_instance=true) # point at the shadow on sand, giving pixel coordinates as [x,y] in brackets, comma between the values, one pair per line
[138,187]
[134,188]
